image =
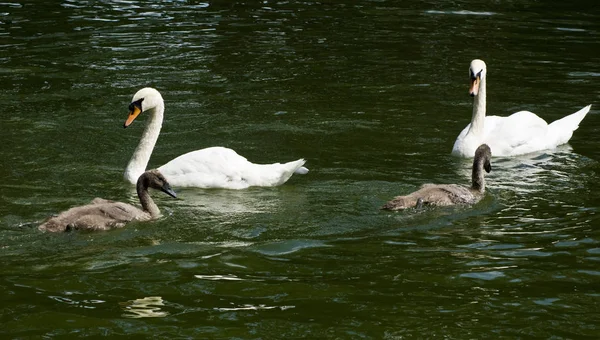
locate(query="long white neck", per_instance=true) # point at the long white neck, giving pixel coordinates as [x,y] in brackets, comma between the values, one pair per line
[477,121]
[141,156]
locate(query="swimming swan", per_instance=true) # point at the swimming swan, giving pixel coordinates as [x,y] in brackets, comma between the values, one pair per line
[449,194]
[103,214]
[520,133]
[215,167]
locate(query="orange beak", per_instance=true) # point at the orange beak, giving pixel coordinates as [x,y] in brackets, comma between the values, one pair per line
[474,89]
[132,115]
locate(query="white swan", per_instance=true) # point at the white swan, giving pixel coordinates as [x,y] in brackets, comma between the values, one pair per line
[449,194]
[103,214]
[215,167]
[520,133]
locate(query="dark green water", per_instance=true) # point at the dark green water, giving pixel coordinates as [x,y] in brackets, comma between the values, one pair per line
[373,95]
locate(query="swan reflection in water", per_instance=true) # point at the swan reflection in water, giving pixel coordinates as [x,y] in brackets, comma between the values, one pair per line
[147,307]
[548,171]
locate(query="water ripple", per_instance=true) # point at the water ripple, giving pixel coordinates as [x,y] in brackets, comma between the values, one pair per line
[147,307]
[491,275]
[252,307]
[462,12]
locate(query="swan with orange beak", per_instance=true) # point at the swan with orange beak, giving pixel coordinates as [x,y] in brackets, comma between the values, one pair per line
[520,133]
[214,167]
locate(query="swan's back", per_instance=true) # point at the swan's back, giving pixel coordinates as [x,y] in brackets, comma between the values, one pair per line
[522,132]
[99,215]
[219,167]
[525,132]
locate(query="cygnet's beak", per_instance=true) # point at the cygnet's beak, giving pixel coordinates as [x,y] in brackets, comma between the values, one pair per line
[166,188]
[487,166]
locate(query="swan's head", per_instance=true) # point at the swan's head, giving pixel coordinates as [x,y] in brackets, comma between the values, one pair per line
[477,72]
[144,99]
[155,180]
[483,154]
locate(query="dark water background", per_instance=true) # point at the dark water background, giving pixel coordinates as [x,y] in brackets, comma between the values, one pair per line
[373,95]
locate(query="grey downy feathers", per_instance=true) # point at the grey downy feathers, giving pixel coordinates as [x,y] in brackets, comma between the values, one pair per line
[103,214]
[449,194]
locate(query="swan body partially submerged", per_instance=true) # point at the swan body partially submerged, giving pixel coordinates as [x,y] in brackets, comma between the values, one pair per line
[449,194]
[214,167]
[520,133]
[102,214]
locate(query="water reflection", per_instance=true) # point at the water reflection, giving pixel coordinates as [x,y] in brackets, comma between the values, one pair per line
[230,202]
[227,277]
[484,275]
[460,12]
[539,171]
[252,307]
[147,307]
[68,299]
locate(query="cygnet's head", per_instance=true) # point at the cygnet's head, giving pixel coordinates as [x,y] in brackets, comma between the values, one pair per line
[143,100]
[155,180]
[477,72]
[483,154]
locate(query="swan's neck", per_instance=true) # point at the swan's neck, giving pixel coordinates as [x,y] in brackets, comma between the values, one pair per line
[139,161]
[147,202]
[477,176]
[477,121]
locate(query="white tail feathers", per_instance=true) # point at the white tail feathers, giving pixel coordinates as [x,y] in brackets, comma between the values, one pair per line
[561,130]
[285,171]
[301,171]
[297,166]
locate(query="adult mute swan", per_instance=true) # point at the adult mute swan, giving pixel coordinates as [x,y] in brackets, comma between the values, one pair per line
[103,214]
[214,167]
[449,194]
[520,133]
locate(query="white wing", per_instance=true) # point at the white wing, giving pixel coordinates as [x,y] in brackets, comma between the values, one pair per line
[219,167]
[519,133]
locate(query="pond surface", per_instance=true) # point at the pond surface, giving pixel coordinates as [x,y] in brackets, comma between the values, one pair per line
[373,95]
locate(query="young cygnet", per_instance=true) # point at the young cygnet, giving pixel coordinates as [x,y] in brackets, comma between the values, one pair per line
[449,194]
[103,214]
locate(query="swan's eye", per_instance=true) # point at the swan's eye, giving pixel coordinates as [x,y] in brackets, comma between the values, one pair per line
[474,76]
[137,103]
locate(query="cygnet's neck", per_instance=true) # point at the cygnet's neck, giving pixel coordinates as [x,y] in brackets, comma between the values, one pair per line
[141,156]
[147,202]
[479,103]
[477,176]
